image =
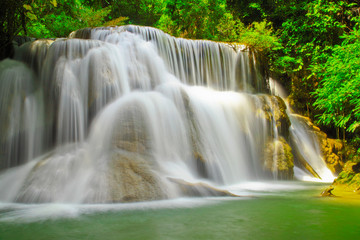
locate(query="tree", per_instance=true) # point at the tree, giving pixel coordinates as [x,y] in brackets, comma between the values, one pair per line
[142,12]
[12,20]
[58,18]
[201,19]
[338,94]
[308,35]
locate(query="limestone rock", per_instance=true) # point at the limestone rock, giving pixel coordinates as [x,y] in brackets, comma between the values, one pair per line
[330,149]
[201,165]
[131,179]
[278,159]
[328,192]
[199,189]
[350,176]
[274,110]
[130,133]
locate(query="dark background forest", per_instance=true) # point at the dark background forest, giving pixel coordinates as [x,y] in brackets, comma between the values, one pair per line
[312,47]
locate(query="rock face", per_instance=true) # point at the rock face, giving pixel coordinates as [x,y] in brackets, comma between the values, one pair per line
[130,133]
[350,176]
[131,172]
[274,110]
[278,159]
[331,150]
[131,179]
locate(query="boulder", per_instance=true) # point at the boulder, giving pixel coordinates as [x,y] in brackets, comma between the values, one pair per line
[131,179]
[278,159]
[130,133]
[328,192]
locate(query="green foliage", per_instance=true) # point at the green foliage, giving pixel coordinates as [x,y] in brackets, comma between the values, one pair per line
[50,19]
[12,20]
[229,28]
[166,24]
[251,11]
[117,21]
[338,94]
[260,36]
[142,12]
[195,18]
[312,32]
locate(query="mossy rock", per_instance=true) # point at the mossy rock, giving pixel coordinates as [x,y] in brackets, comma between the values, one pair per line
[278,159]
[350,176]
[274,111]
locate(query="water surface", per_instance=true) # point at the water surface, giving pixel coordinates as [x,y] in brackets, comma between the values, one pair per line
[278,211]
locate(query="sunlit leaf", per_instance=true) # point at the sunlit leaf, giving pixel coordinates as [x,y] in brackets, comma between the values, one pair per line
[27,7]
[53,2]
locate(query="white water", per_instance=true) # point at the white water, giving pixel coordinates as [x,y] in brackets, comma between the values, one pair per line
[26,213]
[306,143]
[176,108]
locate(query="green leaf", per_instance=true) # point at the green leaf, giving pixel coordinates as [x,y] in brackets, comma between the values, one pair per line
[31,16]
[53,2]
[27,7]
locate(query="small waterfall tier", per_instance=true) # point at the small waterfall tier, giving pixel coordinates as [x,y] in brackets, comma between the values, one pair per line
[129,113]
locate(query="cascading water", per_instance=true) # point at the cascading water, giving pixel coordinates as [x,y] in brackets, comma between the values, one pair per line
[132,114]
[305,144]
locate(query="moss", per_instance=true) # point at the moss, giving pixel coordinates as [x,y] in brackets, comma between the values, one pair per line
[356,179]
[345,177]
[279,159]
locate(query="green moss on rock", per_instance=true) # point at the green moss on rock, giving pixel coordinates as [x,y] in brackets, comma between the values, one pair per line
[279,159]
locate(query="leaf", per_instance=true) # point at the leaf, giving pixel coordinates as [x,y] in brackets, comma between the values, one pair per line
[53,2]
[354,126]
[27,7]
[31,16]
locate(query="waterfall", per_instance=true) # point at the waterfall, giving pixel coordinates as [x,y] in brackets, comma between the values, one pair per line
[129,113]
[305,143]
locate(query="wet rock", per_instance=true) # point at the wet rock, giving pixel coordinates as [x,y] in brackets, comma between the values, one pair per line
[328,192]
[199,189]
[130,133]
[350,176]
[274,110]
[51,178]
[131,179]
[330,149]
[300,161]
[201,165]
[196,143]
[34,54]
[278,159]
